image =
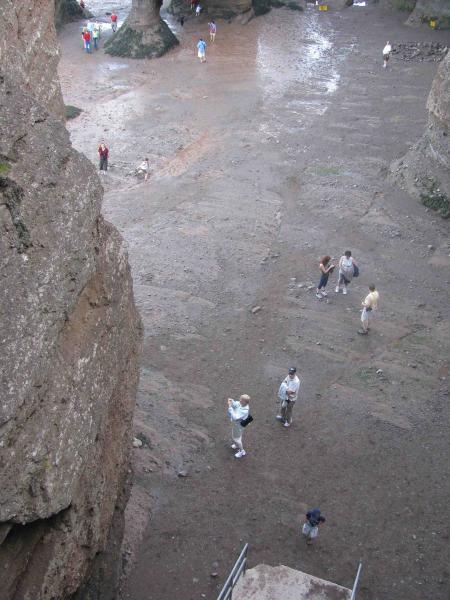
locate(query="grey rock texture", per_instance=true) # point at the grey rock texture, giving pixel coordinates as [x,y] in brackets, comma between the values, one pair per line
[69,329]
[143,34]
[425,170]
[27,43]
[431,9]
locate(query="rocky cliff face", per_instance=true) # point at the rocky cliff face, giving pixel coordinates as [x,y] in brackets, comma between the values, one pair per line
[425,10]
[143,34]
[69,329]
[67,10]
[425,170]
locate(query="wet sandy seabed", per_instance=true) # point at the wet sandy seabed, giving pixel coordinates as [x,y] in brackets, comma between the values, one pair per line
[270,155]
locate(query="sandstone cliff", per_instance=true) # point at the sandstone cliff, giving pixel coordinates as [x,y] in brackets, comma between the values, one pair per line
[425,170]
[69,329]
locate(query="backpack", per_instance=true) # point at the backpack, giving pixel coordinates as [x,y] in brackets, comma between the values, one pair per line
[282,391]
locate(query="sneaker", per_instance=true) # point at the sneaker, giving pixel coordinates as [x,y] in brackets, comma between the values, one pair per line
[324,293]
[336,289]
[318,295]
[279,418]
[233,447]
[240,454]
[362,332]
[287,424]
[344,291]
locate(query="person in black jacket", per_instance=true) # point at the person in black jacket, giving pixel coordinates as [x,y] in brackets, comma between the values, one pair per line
[311,528]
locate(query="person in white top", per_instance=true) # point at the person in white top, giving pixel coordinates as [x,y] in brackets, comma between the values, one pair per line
[370,305]
[237,411]
[144,168]
[198,10]
[346,271]
[287,395]
[386,53]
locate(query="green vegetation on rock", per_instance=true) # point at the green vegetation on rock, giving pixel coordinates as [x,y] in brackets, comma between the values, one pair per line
[438,202]
[72,111]
[404,5]
[4,168]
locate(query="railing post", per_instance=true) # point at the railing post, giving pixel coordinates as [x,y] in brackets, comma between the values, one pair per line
[355,585]
[239,567]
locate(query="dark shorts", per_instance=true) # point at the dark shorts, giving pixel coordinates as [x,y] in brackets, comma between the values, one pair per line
[386,57]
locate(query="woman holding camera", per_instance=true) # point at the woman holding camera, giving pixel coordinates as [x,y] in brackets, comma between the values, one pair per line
[238,411]
[325,270]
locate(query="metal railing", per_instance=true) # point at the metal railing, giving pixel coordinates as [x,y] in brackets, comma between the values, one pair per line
[355,585]
[236,572]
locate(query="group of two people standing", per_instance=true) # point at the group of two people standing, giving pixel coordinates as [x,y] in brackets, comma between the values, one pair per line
[201,44]
[239,410]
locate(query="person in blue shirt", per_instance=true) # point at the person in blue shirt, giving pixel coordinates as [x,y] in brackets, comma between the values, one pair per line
[201,47]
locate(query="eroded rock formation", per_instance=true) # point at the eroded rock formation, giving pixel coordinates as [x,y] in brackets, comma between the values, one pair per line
[425,170]
[143,34]
[69,330]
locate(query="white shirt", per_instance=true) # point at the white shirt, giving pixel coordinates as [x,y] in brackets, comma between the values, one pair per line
[387,49]
[345,264]
[293,385]
[237,412]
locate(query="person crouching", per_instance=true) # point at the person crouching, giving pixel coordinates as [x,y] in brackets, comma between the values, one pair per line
[237,411]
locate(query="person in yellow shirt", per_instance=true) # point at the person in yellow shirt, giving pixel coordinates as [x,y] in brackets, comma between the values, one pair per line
[370,305]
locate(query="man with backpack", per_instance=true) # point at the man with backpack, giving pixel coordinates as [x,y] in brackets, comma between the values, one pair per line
[239,413]
[287,395]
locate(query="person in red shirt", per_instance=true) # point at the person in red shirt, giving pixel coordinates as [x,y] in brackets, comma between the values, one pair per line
[87,40]
[103,153]
[114,21]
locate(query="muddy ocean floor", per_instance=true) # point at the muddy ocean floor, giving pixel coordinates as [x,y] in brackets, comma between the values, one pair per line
[268,156]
